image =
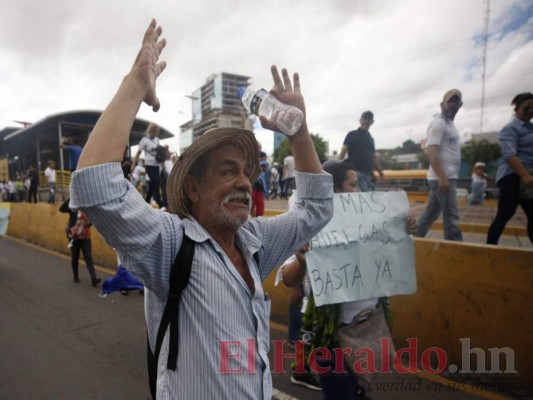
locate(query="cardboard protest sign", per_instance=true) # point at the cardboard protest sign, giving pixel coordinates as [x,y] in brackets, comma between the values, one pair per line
[364,251]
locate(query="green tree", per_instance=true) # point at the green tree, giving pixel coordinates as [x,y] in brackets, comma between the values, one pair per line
[284,149]
[410,147]
[480,150]
[423,159]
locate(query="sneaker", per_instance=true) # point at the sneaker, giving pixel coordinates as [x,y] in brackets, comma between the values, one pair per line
[95,282]
[307,380]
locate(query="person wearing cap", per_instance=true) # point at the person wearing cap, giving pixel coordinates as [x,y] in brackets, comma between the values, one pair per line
[224,311]
[479,184]
[515,173]
[359,145]
[444,154]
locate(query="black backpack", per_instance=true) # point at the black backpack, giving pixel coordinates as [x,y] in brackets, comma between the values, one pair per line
[160,154]
[178,281]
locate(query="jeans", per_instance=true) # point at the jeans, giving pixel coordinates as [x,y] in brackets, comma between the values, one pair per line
[153,188]
[365,182]
[85,246]
[52,196]
[274,190]
[445,202]
[478,190]
[288,187]
[507,203]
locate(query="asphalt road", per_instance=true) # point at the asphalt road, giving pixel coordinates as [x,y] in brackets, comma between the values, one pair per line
[60,340]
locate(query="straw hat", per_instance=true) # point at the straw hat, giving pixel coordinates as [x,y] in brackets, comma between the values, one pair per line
[244,139]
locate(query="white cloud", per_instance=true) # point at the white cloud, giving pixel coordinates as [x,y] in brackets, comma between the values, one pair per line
[396,58]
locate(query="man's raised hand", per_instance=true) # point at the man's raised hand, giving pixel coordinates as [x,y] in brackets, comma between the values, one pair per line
[147,67]
[285,91]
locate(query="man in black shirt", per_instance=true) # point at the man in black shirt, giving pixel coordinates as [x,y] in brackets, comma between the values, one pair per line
[359,145]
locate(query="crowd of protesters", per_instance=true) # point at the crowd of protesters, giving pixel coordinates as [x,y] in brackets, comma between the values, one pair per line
[20,188]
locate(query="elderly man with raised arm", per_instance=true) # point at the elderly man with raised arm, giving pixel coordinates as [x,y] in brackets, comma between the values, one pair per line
[209,199]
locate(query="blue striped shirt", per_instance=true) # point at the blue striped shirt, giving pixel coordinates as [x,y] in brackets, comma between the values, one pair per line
[516,139]
[218,312]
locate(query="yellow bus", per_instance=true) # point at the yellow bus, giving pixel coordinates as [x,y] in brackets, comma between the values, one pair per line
[411,180]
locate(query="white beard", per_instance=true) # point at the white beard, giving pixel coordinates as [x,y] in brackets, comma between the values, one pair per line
[224,218]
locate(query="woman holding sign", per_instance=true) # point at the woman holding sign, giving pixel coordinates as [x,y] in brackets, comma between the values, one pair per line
[321,324]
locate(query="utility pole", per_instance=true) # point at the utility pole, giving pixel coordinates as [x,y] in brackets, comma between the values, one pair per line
[484,60]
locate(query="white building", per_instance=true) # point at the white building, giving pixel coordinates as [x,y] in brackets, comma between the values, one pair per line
[216,105]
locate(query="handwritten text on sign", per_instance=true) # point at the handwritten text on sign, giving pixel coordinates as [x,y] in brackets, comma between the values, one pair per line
[364,251]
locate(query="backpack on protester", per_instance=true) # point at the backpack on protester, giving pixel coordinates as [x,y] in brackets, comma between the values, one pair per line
[80,230]
[160,154]
[178,281]
[78,224]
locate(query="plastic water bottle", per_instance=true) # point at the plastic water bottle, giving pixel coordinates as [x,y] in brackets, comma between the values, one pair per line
[261,103]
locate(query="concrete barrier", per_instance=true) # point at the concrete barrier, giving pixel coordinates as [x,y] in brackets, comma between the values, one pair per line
[480,293]
[465,291]
[42,224]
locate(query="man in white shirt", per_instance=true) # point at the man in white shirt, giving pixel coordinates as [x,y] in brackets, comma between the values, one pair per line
[50,174]
[149,144]
[444,154]
[289,173]
[12,191]
[274,180]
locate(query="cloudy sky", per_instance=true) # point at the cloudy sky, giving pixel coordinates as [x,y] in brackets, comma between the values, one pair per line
[394,57]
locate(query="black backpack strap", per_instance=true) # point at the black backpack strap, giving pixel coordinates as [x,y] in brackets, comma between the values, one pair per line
[179,279]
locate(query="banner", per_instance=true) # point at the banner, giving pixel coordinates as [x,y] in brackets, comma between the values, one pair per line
[364,251]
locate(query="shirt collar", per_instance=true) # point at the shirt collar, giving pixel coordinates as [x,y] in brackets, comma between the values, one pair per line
[193,229]
[526,123]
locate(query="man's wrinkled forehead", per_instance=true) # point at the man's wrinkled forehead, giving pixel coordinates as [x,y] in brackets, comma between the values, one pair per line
[223,155]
